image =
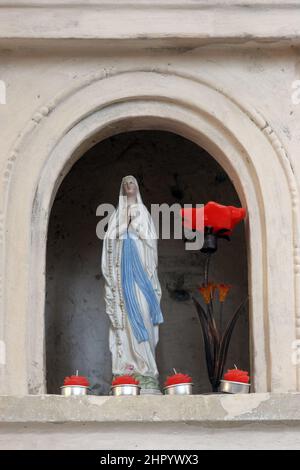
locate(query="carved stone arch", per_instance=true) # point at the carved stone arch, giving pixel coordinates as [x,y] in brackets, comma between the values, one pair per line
[239,139]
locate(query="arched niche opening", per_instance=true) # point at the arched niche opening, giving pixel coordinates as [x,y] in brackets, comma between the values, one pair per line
[169,169]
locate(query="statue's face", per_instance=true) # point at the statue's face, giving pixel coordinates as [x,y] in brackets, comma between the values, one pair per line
[129,187]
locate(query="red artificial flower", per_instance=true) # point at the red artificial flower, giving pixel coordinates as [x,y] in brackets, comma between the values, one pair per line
[76,380]
[236,375]
[213,215]
[178,379]
[125,380]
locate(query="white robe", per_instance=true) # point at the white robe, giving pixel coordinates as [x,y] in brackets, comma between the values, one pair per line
[128,355]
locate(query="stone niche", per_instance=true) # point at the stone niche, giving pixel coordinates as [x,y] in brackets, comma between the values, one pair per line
[170,169]
[176,96]
[196,98]
[244,148]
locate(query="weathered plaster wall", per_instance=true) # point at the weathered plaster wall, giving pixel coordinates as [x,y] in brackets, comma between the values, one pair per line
[256,421]
[170,169]
[256,75]
[181,436]
[261,77]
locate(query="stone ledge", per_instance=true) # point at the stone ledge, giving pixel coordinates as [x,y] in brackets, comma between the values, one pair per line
[242,20]
[202,409]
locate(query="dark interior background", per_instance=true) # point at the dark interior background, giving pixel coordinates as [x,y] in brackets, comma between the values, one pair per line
[169,169]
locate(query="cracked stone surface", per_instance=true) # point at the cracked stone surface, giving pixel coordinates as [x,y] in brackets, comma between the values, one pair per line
[147,409]
[255,421]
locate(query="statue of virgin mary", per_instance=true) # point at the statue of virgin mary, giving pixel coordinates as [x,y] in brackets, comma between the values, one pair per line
[132,289]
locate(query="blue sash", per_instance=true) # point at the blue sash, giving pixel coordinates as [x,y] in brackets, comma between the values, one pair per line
[133,273]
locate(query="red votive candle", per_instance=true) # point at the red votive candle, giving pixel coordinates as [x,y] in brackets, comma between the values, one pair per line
[237,375]
[76,380]
[178,379]
[125,380]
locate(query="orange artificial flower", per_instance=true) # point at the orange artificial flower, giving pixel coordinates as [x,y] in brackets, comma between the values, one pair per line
[207,292]
[223,291]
